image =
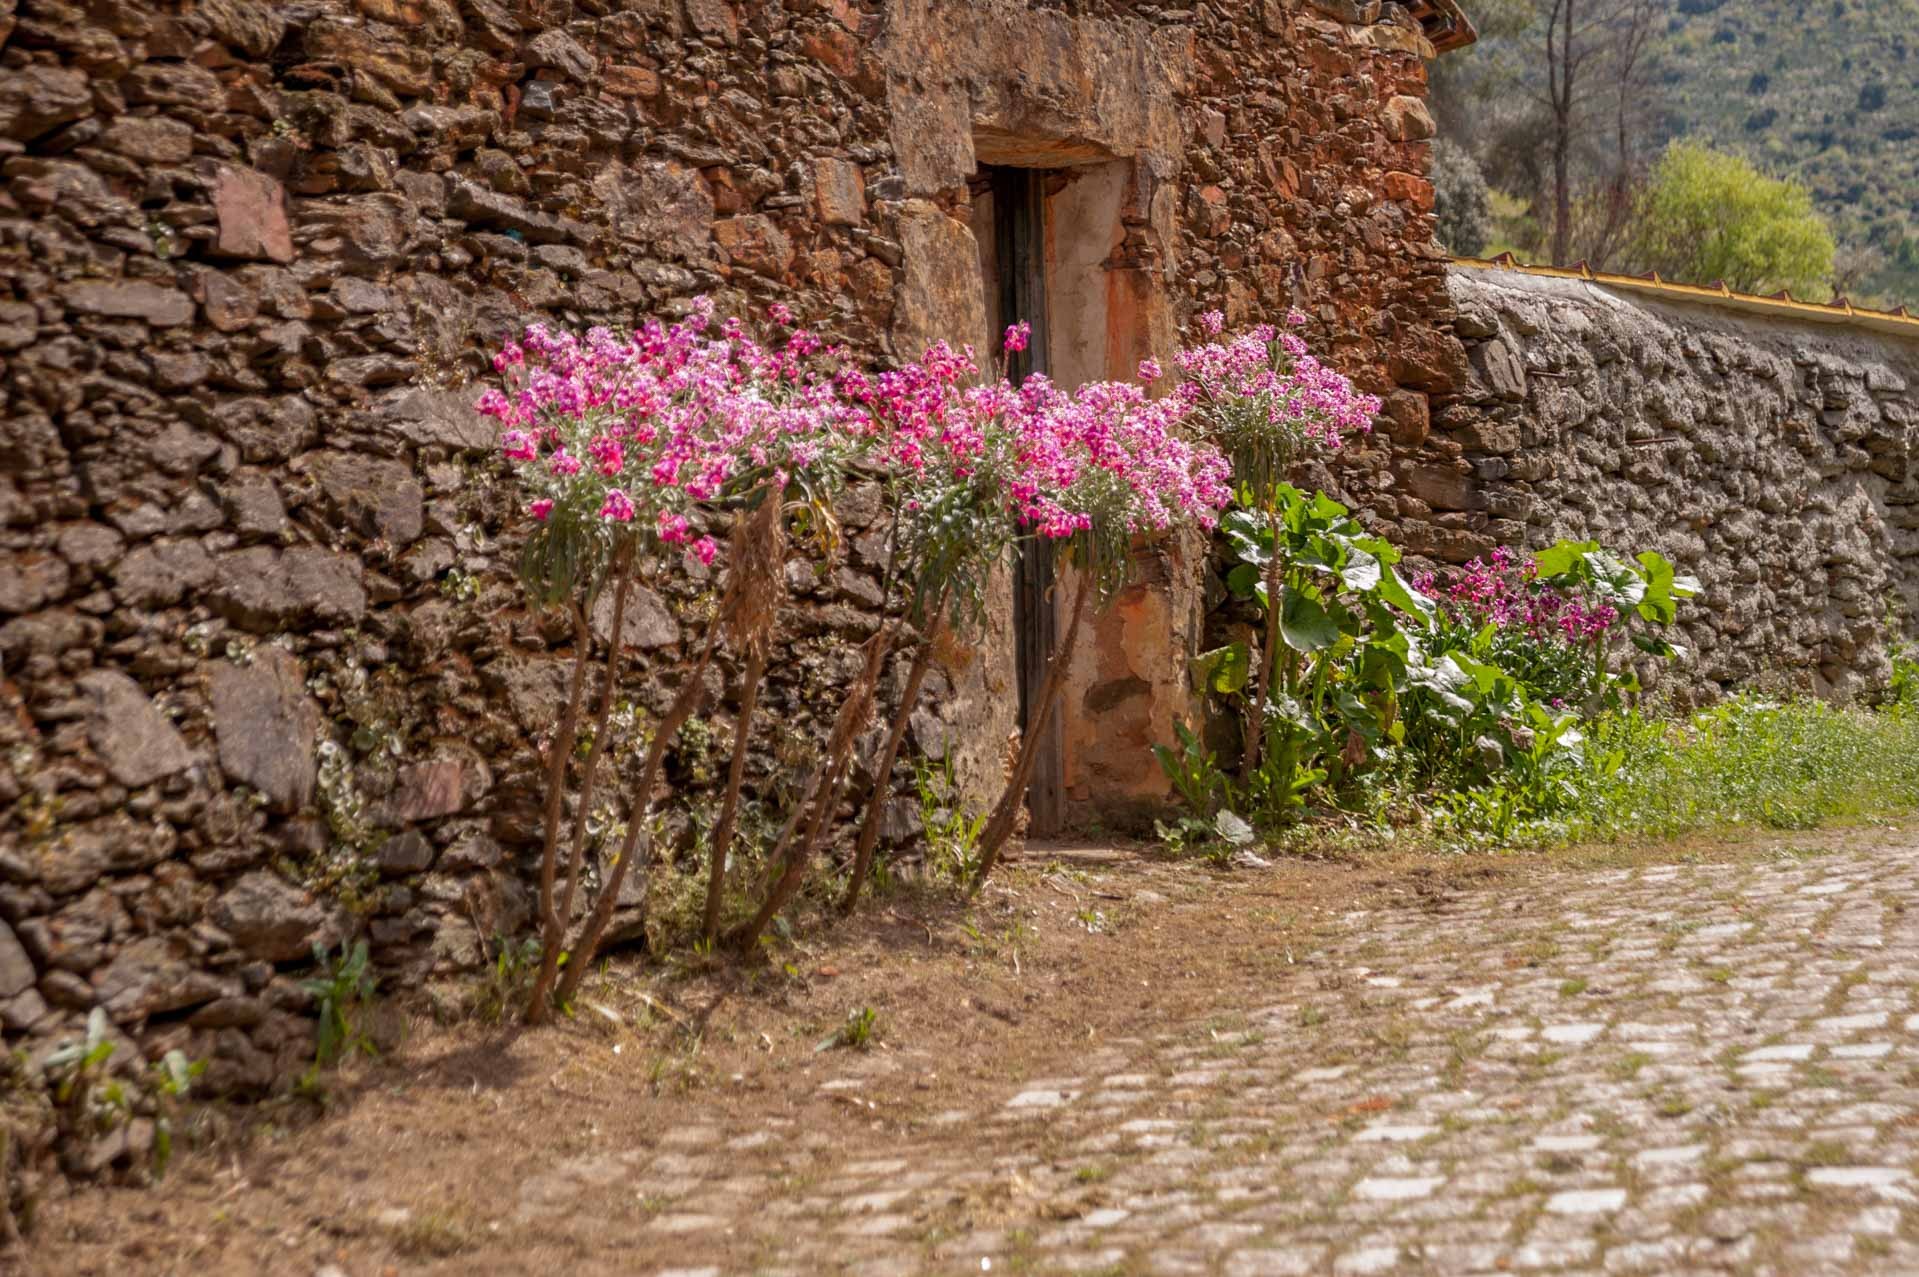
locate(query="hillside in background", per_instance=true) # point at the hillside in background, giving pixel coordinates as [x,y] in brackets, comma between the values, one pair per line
[1826,93]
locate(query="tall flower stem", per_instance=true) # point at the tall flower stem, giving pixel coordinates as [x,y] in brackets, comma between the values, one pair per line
[853,715]
[1006,814]
[883,770]
[730,807]
[1268,656]
[756,564]
[562,753]
[539,1003]
[692,691]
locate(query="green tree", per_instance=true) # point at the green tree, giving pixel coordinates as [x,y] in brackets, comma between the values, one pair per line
[1708,215]
[1461,204]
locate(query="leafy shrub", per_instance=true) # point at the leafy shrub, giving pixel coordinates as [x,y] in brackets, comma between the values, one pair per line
[1709,215]
[503,988]
[855,1034]
[1902,689]
[626,447]
[1476,695]
[91,1097]
[1192,769]
[1462,201]
[1748,761]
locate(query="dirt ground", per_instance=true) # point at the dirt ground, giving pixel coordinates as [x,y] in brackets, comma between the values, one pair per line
[440,1156]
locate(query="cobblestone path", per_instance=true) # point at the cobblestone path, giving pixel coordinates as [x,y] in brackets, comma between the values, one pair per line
[1710,1068]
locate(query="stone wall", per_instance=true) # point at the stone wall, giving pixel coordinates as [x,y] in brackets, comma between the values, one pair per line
[265,680]
[1771,456]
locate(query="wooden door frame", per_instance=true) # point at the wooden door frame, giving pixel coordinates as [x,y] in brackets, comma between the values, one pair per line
[1019,245]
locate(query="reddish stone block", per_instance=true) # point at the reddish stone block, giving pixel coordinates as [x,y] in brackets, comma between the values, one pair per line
[1408,415]
[1406,119]
[838,50]
[754,243]
[1210,212]
[630,82]
[839,192]
[252,210]
[1408,188]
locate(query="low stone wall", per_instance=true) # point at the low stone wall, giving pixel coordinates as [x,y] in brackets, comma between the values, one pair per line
[1771,456]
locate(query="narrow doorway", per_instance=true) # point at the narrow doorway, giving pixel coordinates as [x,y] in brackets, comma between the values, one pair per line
[1016,291]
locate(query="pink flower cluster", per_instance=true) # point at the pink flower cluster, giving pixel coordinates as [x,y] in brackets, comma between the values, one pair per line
[1503,589]
[646,428]
[1265,382]
[1058,460]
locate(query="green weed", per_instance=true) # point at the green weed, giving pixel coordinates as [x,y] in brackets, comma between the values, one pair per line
[342,991]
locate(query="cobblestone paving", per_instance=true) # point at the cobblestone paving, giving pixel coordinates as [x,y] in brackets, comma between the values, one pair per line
[1709,1068]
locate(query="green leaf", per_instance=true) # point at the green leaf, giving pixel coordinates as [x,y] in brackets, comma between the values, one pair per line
[1403,596]
[1444,680]
[1657,606]
[1224,669]
[1358,715]
[1379,547]
[1613,579]
[1362,572]
[1563,557]
[1304,624]
[1324,507]
[1251,539]
[1657,646]
[1321,553]
[1485,675]
[1233,829]
[1382,663]
[1243,581]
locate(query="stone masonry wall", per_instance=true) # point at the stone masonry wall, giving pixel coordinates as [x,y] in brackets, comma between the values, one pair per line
[265,680]
[1773,458]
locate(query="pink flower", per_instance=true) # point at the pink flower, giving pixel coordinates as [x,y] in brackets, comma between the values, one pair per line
[672,528]
[541,508]
[1149,370]
[704,550]
[1211,321]
[618,507]
[494,403]
[1017,336]
[608,453]
[518,445]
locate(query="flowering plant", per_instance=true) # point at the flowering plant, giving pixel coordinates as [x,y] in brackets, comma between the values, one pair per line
[623,445]
[621,440]
[975,465]
[983,462]
[1549,621]
[1546,636]
[1265,400]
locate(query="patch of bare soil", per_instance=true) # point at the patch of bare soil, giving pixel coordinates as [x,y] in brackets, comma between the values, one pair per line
[424,1160]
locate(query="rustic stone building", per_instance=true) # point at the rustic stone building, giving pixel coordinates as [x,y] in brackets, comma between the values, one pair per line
[265,677]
